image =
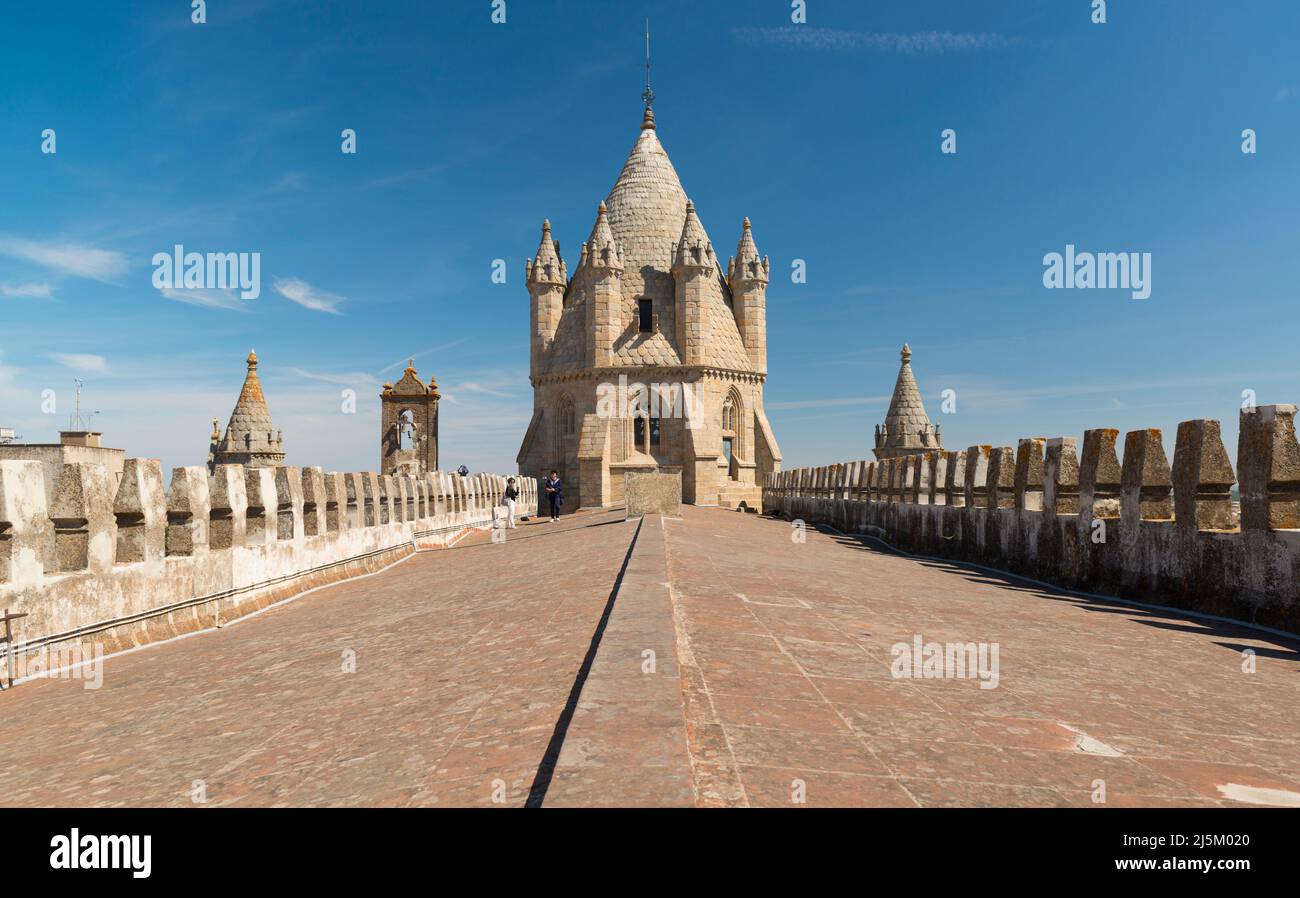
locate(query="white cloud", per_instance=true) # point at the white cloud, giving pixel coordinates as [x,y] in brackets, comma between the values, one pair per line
[9,389]
[442,347]
[472,387]
[917,43]
[33,289]
[307,296]
[208,299]
[95,364]
[355,380]
[68,258]
[826,403]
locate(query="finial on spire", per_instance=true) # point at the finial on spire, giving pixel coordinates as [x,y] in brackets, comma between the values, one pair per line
[906,354]
[648,95]
[252,359]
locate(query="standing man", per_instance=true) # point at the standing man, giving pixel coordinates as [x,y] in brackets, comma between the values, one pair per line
[554,494]
[512,493]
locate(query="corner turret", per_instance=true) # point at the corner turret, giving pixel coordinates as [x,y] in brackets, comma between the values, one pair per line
[546,277]
[748,275]
[603,261]
[694,264]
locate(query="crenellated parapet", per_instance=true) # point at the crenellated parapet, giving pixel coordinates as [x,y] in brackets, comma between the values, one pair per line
[1083,515]
[120,561]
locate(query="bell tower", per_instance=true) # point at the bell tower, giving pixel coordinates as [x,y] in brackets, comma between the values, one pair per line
[408,440]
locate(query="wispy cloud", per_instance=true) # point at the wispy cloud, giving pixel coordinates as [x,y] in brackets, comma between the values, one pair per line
[208,299]
[1286,94]
[442,347]
[826,403]
[9,389]
[354,379]
[916,43]
[67,258]
[472,387]
[95,364]
[42,290]
[291,180]
[421,173]
[307,296]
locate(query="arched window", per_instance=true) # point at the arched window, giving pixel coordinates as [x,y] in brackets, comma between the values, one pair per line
[639,433]
[566,426]
[729,414]
[733,428]
[406,430]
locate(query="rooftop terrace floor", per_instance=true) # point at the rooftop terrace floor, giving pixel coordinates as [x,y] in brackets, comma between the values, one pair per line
[709,660]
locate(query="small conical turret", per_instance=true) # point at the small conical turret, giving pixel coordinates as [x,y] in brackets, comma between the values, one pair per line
[601,250]
[746,265]
[694,251]
[546,279]
[249,439]
[907,428]
[747,275]
[546,267]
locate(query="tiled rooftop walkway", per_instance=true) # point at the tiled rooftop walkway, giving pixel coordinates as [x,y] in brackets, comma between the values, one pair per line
[734,667]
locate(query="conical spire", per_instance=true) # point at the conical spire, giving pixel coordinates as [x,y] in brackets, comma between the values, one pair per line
[906,424]
[645,207]
[251,400]
[648,95]
[546,267]
[747,265]
[251,439]
[693,248]
[601,249]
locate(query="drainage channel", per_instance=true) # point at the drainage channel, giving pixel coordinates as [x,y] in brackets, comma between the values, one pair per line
[546,769]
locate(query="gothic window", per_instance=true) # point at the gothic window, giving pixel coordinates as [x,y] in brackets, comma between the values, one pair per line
[639,432]
[565,427]
[733,424]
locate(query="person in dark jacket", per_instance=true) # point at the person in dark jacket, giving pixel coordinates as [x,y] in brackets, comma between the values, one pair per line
[554,494]
[511,494]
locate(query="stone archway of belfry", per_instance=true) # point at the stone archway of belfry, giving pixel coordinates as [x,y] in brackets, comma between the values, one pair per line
[406,435]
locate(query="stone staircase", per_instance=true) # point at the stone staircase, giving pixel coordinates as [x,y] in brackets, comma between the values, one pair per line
[738,495]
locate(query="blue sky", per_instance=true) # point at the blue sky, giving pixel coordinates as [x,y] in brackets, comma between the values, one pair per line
[226,137]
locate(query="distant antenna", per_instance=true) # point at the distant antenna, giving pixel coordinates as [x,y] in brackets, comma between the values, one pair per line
[77,422]
[649,95]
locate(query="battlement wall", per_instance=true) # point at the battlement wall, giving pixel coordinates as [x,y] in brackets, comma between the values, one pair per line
[1139,528]
[122,563]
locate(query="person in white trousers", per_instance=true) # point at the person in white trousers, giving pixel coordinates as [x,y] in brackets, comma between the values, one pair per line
[512,493]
